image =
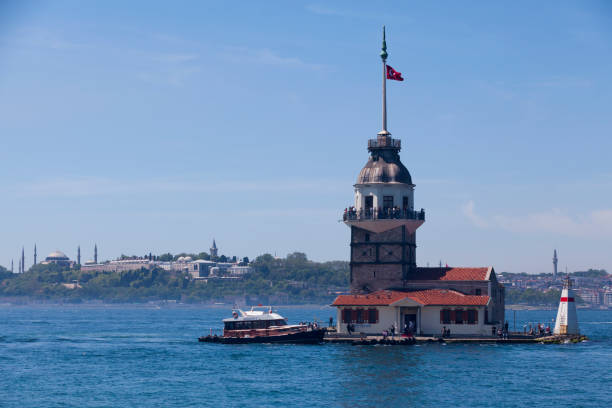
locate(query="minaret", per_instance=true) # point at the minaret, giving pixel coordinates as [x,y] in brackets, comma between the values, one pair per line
[12,270]
[34,254]
[22,259]
[383,221]
[96,253]
[213,250]
[567,319]
[79,255]
[555,261]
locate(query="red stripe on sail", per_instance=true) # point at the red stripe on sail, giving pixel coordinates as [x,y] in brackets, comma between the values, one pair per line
[564,299]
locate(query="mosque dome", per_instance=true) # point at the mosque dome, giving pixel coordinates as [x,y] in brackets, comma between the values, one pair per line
[57,256]
[384,167]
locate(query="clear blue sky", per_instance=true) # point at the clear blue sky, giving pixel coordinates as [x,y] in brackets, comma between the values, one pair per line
[156,126]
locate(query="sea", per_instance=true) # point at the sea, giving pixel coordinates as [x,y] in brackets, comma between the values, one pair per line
[149,356]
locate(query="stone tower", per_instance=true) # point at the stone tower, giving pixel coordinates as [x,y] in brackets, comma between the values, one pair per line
[78,255]
[213,250]
[383,220]
[555,261]
[35,254]
[95,253]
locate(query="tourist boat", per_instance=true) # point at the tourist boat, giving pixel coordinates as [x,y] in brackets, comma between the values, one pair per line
[262,325]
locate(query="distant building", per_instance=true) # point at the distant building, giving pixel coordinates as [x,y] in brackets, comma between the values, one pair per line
[118,265]
[197,269]
[555,261]
[213,250]
[58,258]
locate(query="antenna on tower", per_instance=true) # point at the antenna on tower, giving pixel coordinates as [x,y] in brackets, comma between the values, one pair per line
[383,56]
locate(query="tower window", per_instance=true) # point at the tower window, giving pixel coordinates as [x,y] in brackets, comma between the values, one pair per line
[369,203]
[405,203]
[478,292]
[367,237]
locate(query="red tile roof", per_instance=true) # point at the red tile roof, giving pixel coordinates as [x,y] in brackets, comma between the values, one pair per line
[378,298]
[447,297]
[451,274]
[442,297]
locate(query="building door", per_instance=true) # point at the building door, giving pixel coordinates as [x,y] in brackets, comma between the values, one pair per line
[410,323]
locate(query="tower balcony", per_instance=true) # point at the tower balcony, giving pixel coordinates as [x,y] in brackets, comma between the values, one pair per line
[384,142]
[380,220]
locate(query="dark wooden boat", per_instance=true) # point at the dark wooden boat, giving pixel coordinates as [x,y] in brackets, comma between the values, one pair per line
[264,326]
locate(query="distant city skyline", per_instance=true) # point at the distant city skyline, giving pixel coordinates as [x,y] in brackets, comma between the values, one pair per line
[159,128]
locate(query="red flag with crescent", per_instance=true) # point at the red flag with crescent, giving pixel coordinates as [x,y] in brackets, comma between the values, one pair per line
[393,74]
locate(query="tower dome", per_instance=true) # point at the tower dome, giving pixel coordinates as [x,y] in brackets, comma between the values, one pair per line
[384,166]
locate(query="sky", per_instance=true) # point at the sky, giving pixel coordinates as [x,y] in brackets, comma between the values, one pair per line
[150,126]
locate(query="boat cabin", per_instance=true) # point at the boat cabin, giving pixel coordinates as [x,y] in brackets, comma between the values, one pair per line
[253,319]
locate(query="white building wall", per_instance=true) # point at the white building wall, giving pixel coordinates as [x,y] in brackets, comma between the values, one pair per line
[387,316]
[429,320]
[430,323]
[379,190]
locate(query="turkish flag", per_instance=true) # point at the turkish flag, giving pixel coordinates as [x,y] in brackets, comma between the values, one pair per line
[393,74]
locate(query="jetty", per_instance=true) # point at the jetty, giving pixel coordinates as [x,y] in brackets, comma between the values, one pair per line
[513,338]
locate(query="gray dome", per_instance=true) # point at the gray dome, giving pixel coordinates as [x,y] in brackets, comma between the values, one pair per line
[384,167]
[57,255]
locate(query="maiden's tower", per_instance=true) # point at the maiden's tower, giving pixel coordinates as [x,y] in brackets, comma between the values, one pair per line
[388,288]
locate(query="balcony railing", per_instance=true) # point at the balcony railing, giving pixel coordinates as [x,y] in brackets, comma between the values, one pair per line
[384,142]
[396,213]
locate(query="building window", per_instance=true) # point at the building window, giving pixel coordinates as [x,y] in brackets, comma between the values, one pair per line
[404,203]
[372,316]
[478,292]
[459,316]
[472,316]
[445,316]
[346,315]
[387,202]
[367,237]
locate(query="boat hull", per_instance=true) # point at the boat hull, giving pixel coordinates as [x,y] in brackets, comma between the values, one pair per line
[303,337]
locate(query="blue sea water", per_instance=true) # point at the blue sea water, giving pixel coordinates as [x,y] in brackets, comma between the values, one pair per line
[145,356]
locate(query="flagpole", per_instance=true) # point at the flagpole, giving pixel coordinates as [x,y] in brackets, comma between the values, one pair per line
[383,56]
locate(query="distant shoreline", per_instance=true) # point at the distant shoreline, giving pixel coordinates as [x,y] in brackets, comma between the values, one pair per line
[148,305]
